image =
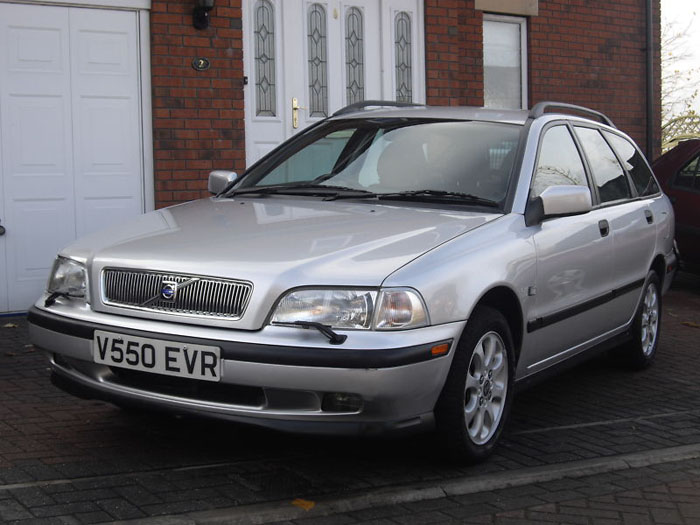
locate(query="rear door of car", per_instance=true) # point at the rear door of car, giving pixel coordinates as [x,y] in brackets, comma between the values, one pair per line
[631,219]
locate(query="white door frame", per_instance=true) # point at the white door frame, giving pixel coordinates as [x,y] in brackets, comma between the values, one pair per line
[142,8]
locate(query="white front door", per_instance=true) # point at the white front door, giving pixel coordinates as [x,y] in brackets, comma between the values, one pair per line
[70,135]
[319,56]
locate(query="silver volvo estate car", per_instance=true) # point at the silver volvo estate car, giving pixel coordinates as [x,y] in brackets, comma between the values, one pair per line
[390,268]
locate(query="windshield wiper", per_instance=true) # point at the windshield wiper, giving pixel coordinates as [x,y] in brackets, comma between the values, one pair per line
[296,189]
[51,299]
[427,195]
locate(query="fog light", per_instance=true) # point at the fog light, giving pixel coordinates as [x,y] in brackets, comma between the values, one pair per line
[339,402]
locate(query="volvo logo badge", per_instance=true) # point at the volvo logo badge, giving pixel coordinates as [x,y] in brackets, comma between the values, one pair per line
[168,290]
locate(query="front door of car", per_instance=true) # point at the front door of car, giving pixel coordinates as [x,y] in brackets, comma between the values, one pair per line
[305,59]
[574,263]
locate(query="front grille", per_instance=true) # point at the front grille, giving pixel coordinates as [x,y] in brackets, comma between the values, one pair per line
[194,295]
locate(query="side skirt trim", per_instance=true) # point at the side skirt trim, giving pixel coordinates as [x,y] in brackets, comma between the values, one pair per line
[541,322]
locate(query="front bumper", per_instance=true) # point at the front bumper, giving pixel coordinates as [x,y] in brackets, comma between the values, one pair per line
[264,382]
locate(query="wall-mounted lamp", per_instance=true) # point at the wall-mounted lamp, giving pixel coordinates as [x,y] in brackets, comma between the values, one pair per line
[200,15]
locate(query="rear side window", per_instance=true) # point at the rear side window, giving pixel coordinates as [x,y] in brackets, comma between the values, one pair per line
[634,162]
[559,163]
[689,175]
[608,174]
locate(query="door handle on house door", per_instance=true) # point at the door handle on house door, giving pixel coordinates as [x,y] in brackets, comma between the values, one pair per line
[295,112]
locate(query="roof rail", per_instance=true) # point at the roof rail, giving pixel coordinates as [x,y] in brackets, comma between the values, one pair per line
[366,103]
[539,109]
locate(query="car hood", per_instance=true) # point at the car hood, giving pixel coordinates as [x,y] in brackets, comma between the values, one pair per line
[276,243]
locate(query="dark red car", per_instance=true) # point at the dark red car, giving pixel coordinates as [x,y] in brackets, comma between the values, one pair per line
[678,171]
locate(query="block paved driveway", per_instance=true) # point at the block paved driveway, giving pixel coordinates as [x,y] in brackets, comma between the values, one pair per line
[72,461]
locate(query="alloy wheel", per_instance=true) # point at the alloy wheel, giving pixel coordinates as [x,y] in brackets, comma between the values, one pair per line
[650,320]
[486,388]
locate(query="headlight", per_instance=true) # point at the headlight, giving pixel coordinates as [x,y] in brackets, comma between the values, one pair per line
[68,277]
[336,308]
[353,309]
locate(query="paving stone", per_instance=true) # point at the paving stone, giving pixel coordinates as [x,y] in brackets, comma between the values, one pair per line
[636,519]
[430,504]
[93,517]
[421,517]
[32,497]
[559,517]
[375,513]
[666,516]
[67,509]
[341,519]
[13,510]
[120,509]
[83,495]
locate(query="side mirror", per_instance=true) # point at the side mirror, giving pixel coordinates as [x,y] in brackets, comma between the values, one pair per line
[558,201]
[219,179]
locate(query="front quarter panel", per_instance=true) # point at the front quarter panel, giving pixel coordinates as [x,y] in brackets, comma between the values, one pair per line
[453,277]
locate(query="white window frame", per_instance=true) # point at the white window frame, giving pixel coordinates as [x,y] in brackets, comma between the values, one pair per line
[522,22]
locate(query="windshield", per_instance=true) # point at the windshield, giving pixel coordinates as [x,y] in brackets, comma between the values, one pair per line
[391,156]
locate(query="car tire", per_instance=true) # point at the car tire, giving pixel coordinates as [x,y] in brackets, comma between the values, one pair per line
[476,398]
[640,351]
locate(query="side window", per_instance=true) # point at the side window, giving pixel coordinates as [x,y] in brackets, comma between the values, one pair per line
[634,162]
[607,171]
[559,162]
[689,175]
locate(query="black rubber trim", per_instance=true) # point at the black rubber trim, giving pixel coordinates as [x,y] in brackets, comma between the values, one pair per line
[541,322]
[332,357]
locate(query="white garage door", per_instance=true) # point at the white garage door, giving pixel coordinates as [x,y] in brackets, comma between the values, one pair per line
[70,135]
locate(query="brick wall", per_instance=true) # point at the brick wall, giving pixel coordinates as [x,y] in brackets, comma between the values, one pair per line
[453,53]
[198,120]
[593,53]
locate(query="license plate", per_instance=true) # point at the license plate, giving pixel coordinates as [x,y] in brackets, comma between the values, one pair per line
[157,356]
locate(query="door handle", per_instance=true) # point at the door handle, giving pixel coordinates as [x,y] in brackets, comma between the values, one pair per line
[649,216]
[2,230]
[604,228]
[295,112]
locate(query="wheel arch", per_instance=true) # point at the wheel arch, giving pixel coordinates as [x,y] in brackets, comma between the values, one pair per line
[505,300]
[659,266]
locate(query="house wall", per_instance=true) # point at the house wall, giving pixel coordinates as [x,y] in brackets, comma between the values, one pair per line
[198,120]
[587,52]
[453,53]
[593,53]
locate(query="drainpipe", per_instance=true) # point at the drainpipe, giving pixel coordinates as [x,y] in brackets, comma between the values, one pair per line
[650,80]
